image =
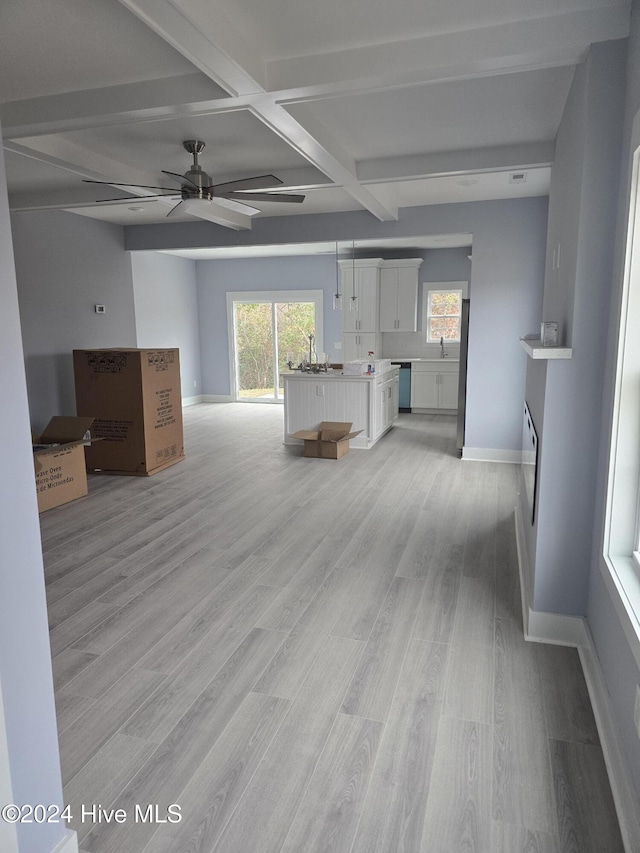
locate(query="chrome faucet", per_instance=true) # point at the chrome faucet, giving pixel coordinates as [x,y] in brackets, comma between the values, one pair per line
[443,354]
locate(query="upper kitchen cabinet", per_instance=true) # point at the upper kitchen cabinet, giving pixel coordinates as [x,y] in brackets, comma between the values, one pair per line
[356,346]
[360,294]
[399,295]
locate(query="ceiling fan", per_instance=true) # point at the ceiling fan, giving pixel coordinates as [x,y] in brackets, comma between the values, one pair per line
[199,196]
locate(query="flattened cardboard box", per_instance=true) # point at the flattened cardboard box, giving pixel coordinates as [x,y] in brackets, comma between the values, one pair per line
[330,441]
[135,397]
[58,459]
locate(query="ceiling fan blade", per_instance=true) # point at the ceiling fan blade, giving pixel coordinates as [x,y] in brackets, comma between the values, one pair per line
[191,205]
[250,196]
[181,178]
[136,199]
[238,206]
[176,210]
[137,186]
[218,211]
[258,182]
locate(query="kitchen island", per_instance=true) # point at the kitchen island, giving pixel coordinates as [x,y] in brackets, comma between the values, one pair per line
[370,403]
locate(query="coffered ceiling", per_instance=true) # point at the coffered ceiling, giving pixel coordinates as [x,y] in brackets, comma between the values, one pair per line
[358,104]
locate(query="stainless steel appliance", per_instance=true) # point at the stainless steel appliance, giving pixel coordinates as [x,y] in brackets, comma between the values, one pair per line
[462,381]
[404,398]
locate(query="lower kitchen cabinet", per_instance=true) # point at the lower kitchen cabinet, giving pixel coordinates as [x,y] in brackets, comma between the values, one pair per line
[369,403]
[386,399]
[434,385]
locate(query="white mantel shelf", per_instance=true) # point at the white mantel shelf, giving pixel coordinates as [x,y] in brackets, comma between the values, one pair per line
[534,349]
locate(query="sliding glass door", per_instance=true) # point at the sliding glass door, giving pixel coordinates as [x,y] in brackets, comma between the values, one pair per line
[267,329]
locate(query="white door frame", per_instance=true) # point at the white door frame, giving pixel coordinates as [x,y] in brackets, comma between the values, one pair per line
[270,296]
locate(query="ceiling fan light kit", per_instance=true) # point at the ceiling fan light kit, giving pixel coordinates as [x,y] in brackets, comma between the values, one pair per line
[227,204]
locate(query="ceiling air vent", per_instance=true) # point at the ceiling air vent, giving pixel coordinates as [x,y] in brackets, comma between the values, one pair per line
[518,178]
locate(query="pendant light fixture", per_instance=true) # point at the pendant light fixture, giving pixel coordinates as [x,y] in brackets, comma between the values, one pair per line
[337,296]
[354,294]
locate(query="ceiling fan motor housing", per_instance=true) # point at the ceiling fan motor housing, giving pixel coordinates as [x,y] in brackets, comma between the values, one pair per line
[197,181]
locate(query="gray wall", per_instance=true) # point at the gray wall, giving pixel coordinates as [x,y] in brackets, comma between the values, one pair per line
[166,308]
[216,278]
[25,657]
[582,213]
[65,264]
[507,277]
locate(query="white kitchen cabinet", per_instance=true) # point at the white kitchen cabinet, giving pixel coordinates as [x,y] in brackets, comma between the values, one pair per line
[448,391]
[370,403]
[355,346]
[386,393]
[360,295]
[399,295]
[392,398]
[434,385]
[424,389]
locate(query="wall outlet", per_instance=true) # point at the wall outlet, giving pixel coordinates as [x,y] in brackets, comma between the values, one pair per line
[100,309]
[337,345]
[636,710]
[319,390]
[195,383]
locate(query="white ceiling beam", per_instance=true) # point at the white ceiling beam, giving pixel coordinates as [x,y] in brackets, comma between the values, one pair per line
[470,161]
[132,102]
[236,67]
[557,39]
[63,154]
[313,141]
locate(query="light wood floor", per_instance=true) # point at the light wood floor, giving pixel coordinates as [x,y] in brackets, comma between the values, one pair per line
[314,655]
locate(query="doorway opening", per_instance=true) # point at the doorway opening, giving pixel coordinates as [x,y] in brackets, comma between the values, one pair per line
[266,330]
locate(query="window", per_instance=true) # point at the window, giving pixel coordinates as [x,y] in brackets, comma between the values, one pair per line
[444,307]
[622,523]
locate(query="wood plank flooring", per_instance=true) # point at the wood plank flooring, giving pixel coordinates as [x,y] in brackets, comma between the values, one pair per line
[313,655]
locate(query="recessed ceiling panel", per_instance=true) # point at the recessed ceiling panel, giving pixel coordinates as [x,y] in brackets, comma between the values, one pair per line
[24,174]
[52,46]
[288,28]
[236,143]
[452,189]
[325,200]
[482,112]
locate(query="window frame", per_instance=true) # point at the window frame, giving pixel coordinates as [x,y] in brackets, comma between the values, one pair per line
[620,565]
[272,297]
[430,287]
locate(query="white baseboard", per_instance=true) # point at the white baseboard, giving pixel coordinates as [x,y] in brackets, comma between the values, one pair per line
[558,629]
[490,454]
[191,401]
[622,788]
[216,398]
[555,629]
[69,843]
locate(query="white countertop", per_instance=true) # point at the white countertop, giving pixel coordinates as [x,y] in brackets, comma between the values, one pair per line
[446,358]
[335,374]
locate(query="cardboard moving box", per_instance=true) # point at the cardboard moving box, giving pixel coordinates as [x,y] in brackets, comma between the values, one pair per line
[330,441]
[58,459]
[135,397]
